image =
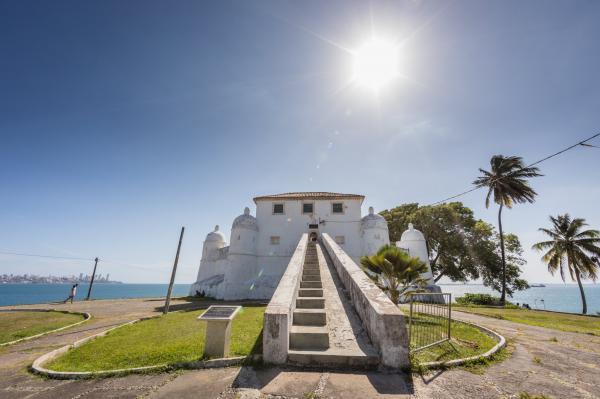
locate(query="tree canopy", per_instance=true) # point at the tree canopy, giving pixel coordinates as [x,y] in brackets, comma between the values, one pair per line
[461,247]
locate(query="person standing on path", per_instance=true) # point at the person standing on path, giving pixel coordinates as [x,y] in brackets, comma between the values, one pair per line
[73,293]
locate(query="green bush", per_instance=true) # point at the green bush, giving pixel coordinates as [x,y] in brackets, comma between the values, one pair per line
[478,299]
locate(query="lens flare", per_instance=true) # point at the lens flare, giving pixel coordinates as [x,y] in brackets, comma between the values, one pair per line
[376,64]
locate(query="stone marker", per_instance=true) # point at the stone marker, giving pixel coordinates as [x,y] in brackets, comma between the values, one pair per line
[218,329]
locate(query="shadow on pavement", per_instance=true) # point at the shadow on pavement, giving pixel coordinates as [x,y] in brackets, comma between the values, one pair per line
[300,383]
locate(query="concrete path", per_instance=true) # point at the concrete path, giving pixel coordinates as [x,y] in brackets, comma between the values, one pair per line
[556,364]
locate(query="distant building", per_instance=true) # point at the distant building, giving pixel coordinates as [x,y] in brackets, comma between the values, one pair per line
[260,247]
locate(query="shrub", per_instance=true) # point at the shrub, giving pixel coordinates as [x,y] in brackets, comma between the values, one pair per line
[478,299]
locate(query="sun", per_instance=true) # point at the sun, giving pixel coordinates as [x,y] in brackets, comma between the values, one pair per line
[375,64]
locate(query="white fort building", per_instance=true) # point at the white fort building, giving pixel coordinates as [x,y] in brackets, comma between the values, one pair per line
[260,247]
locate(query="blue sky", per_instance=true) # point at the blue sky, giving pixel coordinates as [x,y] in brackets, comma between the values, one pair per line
[122,121]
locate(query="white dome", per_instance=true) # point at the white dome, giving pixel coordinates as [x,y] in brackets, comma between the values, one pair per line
[373,220]
[412,234]
[245,221]
[215,236]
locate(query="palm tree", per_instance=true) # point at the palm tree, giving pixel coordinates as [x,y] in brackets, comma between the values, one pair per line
[572,249]
[394,271]
[507,181]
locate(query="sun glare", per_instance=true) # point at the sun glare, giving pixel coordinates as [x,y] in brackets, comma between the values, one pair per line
[376,64]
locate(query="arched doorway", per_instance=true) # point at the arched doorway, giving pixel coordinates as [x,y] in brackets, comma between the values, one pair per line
[312,237]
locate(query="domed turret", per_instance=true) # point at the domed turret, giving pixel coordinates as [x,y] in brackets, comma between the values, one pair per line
[374,232]
[245,221]
[215,236]
[244,232]
[412,234]
[414,242]
[214,240]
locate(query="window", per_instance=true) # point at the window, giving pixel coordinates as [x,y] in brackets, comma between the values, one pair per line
[341,240]
[274,240]
[278,209]
[337,207]
[307,207]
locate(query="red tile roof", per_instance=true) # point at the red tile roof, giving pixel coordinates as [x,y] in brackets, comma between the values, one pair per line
[317,195]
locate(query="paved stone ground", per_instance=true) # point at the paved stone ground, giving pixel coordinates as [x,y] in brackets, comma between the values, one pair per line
[568,368]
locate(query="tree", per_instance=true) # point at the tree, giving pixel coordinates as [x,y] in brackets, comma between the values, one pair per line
[572,249]
[507,181]
[460,247]
[394,271]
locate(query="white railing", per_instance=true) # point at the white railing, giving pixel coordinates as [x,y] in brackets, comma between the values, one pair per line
[279,312]
[383,320]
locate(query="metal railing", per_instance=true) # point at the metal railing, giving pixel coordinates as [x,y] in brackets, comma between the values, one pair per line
[430,319]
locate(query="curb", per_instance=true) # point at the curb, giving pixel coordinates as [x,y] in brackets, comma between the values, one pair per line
[458,362]
[86,317]
[38,368]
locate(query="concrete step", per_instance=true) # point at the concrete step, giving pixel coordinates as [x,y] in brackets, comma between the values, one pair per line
[309,338]
[310,317]
[311,271]
[311,277]
[332,358]
[311,268]
[311,284]
[310,303]
[310,292]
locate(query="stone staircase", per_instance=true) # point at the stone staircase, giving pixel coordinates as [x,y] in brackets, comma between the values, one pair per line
[308,330]
[326,331]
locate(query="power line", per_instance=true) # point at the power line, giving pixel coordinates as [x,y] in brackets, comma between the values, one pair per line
[44,256]
[130,265]
[580,143]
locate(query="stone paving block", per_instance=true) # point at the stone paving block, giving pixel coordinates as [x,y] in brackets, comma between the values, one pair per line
[368,385]
[195,384]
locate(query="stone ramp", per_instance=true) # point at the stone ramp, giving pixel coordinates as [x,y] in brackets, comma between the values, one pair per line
[326,331]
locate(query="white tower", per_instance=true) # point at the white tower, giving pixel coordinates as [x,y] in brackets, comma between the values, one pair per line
[244,232]
[243,279]
[414,243]
[374,232]
[214,240]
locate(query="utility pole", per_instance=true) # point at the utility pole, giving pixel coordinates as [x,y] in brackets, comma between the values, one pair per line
[168,300]
[92,281]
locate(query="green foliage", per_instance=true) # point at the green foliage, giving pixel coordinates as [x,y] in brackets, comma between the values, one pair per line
[17,325]
[394,271]
[507,182]
[573,249]
[460,247]
[478,299]
[165,340]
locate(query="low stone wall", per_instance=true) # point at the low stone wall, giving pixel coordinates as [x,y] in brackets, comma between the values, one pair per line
[278,315]
[384,322]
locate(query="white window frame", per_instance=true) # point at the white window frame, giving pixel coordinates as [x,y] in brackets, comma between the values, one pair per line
[273,208]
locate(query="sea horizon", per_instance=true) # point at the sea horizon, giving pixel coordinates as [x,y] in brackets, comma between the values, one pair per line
[554,296]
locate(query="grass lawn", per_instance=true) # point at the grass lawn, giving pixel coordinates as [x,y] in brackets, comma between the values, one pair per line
[556,321]
[176,337]
[17,325]
[466,341]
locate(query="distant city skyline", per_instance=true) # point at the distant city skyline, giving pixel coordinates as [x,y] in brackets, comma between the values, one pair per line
[120,122]
[51,279]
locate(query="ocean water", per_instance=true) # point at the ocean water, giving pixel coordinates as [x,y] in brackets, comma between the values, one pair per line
[21,294]
[560,297]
